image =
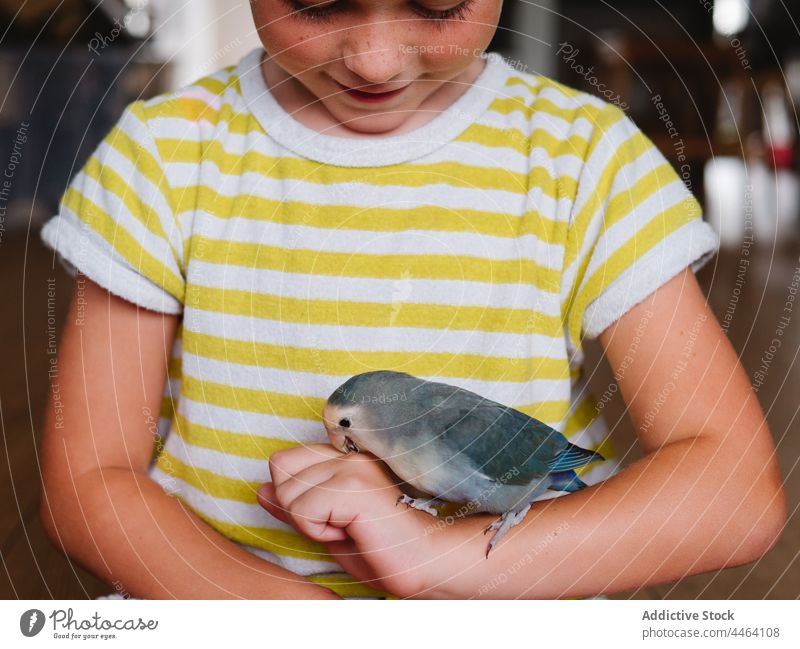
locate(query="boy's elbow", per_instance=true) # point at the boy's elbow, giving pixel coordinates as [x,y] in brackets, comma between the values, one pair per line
[49,524]
[57,507]
[765,522]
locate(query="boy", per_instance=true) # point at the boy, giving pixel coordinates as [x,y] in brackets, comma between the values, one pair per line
[374,191]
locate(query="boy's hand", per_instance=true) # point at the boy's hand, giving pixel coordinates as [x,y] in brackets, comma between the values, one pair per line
[349,503]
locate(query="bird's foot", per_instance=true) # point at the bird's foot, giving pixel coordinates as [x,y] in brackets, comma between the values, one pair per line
[503,524]
[418,503]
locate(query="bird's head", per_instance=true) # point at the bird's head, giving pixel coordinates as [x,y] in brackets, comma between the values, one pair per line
[356,416]
[345,427]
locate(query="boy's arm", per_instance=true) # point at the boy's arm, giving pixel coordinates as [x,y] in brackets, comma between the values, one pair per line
[707,495]
[98,503]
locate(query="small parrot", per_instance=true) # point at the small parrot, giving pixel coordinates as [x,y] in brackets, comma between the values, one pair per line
[453,445]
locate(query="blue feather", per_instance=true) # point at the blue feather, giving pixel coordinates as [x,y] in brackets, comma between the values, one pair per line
[566,481]
[573,457]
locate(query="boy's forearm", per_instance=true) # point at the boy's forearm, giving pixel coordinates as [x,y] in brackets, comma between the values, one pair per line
[124,528]
[670,515]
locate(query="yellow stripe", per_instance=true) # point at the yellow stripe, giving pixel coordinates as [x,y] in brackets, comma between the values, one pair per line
[345,313]
[607,449]
[542,105]
[543,83]
[273,540]
[105,176]
[193,110]
[213,484]
[248,445]
[545,410]
[490,136]
[622,204]
[174,370]
[371,219]
[454,174]
[581,418]
[247,399]
[664,224]
[216,86]
[124,243]
[259,401]
[348,362]
[635,147]
[143,160]
[176,150]
[252,446]
[280,542]
[345,585]
[167,410]
[345,264]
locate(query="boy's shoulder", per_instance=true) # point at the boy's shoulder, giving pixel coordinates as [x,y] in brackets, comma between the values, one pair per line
[204,99]
[542,95]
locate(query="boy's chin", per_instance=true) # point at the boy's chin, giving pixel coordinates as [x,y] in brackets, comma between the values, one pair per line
[371,121]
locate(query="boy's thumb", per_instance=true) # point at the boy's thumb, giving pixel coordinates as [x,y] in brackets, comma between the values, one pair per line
[266,498]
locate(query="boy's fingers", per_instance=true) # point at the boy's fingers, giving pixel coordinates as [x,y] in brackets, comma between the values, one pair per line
[314,526]
[288,462]
[266,498]
[314,517]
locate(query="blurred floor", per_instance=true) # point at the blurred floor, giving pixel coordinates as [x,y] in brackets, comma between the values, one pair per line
[33,569]
[762,290]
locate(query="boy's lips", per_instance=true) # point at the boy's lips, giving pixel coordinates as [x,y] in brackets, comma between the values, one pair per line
[371,96]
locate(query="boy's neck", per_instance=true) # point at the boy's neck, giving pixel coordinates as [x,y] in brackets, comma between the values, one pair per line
[307,109]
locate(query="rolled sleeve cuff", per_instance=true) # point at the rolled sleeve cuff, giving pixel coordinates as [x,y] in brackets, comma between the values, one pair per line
[78,249]
[693,244]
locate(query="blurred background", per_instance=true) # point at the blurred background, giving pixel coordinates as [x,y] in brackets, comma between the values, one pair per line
[714,83]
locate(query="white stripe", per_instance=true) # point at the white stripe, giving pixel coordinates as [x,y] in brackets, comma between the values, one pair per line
[398,292]
[604,154]
[626,228]
[144,238]
[253,424]
[303,567]
[234,467]
[369,242]
[223,510]
[411,340]
[633,172]
[143,191]
[315,385]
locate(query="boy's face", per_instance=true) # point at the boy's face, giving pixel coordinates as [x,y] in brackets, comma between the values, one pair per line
[378,46]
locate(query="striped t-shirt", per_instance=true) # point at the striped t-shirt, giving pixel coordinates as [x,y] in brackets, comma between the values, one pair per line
[478,250]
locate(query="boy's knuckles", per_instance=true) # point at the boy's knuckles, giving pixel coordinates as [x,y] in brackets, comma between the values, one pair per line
[283,493]
[350,482]
[276,466]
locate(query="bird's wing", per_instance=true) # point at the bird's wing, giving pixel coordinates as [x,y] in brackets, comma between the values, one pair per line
[506,445]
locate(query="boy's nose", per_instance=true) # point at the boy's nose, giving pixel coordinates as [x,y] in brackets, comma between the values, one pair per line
[374,52]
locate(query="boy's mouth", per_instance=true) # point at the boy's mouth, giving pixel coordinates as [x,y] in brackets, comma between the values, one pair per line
[363,95]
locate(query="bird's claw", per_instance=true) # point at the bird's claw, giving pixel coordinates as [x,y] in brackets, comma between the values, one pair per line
[493,526]
[502,525]
[417,503]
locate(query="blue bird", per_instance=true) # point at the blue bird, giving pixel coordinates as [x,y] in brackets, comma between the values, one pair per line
[454,445]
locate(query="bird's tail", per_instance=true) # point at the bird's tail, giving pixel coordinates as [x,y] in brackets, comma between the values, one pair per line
[565,481]
[573,457]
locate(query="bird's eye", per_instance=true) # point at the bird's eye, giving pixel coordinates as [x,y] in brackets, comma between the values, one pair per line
[344,423]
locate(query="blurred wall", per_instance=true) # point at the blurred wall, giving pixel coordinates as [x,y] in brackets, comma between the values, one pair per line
[197,37]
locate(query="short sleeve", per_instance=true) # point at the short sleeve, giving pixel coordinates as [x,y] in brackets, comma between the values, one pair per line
[634,225]
[116,223]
